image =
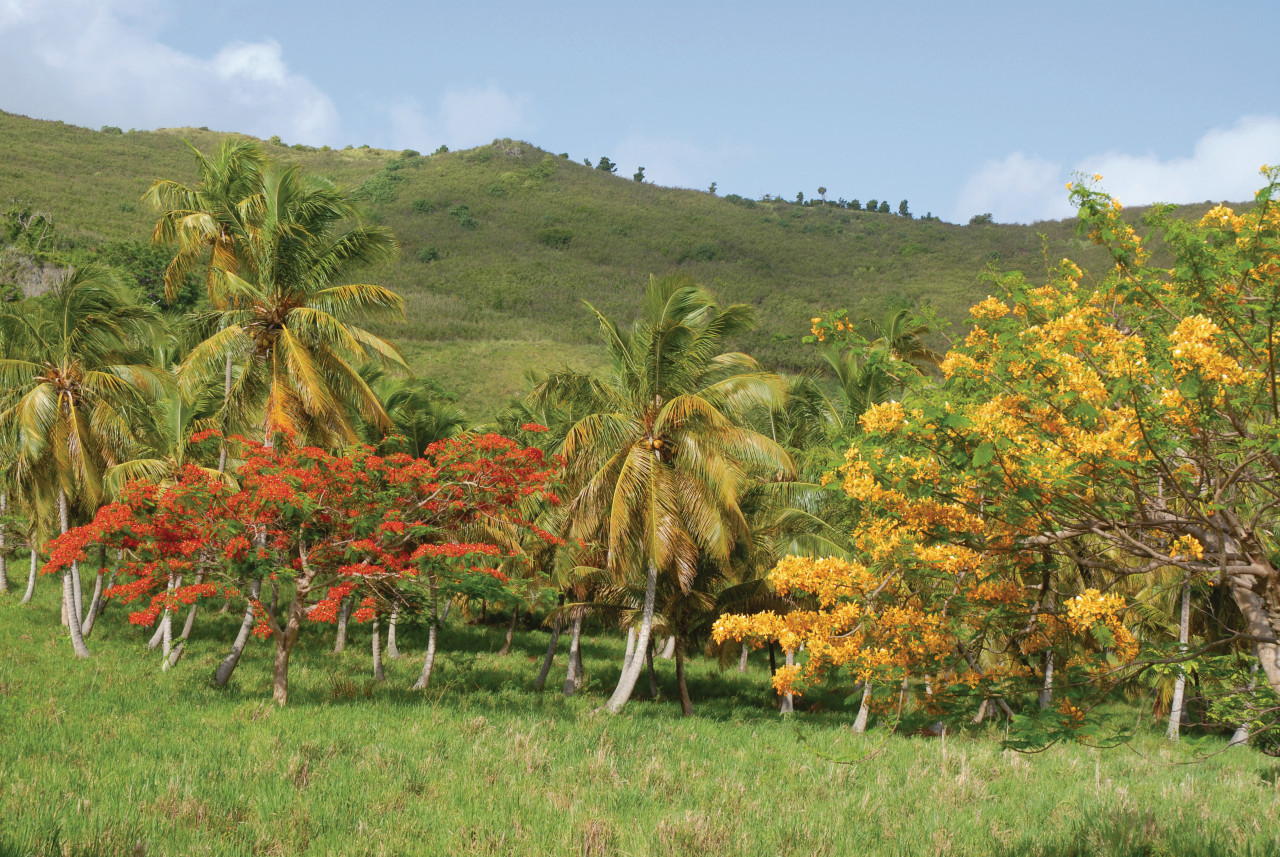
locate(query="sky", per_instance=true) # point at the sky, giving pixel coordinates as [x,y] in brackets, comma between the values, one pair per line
[959,107]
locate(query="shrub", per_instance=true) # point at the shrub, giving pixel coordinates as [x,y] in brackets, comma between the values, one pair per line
[981,219]
[606,165]
[555,236]
[428,254]
[111,129]
[422,206]
[443,150]
[462,214]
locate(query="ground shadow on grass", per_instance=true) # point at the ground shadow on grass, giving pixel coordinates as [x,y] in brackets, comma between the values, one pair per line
[1133,832]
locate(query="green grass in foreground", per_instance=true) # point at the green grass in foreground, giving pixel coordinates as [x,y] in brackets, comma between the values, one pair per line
[111,756]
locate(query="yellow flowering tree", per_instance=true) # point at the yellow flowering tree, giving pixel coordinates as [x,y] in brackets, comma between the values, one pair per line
[1087,430]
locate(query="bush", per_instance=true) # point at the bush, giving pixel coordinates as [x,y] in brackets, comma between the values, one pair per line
[422,206]
[111,129]
[981,219]
[428,254]
[555,236]
[462,214]
[443,150]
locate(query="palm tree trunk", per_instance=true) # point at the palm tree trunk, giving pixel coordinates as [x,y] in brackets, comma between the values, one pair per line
[1180,684]
[226,396]
[344,614]
[378,673]
[95,604]
[392,650]
[31,576]
[788,704]
[654,690]
[686,704]
[541,680]
[627,681]
[228,665]
[864,709]
[669,649]
[511,632]
[71,587]
[742,658]
[573,678]
[631,649]
[432,634]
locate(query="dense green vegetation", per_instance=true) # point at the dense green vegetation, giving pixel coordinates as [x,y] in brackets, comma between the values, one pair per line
[503,242]
[115,757]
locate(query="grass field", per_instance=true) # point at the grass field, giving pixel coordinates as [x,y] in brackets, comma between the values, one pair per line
[111,756]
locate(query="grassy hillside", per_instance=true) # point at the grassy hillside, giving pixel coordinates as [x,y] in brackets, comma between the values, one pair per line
[501,244]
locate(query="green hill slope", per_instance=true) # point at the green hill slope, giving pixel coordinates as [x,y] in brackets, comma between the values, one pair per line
[501,244]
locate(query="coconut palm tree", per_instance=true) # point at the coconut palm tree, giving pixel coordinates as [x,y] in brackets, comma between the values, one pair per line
[81,369]
[662,456]
[281,329]
[902,333]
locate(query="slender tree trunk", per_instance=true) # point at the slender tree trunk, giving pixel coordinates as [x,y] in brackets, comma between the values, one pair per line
[392,650]
[228,665]
[31,576]
[444,614]
[95,603]
[788,704]
[669,649]
[71,588]
[742,658]
[541,681]
[1046,694]
[630,650]
[187,627]
[157,637]
[275,601]
[511,632]
[686,704]
[344,614]
[573,678]
[773,663]
[284,647]
[378,673]
[627,681]
[166,625]
[1180,684]
[226,396]
[654,691]
[432,634]
[864,709]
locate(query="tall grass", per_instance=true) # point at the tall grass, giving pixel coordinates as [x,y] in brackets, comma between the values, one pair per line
[111,756]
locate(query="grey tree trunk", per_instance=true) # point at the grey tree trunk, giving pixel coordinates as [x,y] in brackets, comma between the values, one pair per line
[157,637]
[392,650]
[631,649]
[669,649]
[31,576]
[344,615]
[226,395]
[228,665]
[1180,683]
[71,588]
[167,625]
[627,681]
[444,614]
[573,678]
[432,634]
[742,658]
[541,681]
[1046,694]
[864,709]
[511,632]
[788,704]
[378,673]
[95,603]
[654,691]
[1252,595]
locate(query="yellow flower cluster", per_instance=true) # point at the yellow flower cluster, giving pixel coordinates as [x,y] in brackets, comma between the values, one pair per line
[989,309]
[1091,607]
[1187,547]
[1222,217]
[883,418]
[1194,348]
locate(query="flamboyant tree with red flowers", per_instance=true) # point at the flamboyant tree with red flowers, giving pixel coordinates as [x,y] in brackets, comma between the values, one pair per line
[387,530]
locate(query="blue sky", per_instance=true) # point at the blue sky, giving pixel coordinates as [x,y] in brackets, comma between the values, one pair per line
[960,108]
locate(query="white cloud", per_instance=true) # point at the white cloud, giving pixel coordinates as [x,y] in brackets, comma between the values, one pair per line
[1223,165]
[465,118]
[95,63]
